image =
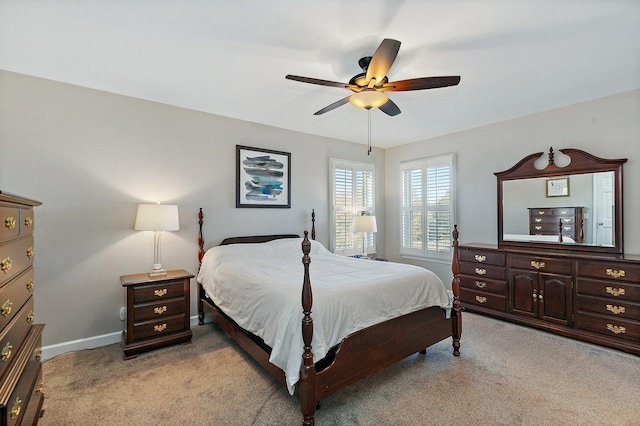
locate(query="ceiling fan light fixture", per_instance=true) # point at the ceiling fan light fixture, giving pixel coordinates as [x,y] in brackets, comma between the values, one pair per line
[368,99]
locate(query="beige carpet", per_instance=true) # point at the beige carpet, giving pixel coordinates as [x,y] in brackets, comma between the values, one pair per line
[506,375]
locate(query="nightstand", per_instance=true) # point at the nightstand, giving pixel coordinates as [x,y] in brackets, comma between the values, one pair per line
[157,311]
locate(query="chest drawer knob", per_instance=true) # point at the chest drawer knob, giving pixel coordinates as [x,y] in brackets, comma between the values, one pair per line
[615,291]
[616,329]
[17,407]
[30,317]
[5,264]
[481,299]
[28,222]
[6,352]
[537,220]
[615,273]
[538,227]
[6,308]
[159,328]
[481,284]
[481,271]
[480,258]
[161,292]
[538,265]
[160,310]
[39,354]
[10,222]
[30,252]
[541,212]
[616,309]
[30,285]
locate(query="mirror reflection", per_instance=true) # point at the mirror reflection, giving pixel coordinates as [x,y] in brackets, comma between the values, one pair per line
[578,207]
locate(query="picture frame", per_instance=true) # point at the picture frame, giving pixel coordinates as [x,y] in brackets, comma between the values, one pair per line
[558,187]
[263,178]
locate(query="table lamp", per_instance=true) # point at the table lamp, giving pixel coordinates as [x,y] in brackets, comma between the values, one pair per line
[157,218]
[364,224]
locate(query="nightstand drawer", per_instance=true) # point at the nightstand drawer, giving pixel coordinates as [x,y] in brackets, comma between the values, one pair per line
[484,284]
[478,298]
[159,327]
[158,310]
[158,291]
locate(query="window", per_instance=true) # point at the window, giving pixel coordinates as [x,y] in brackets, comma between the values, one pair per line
[428,206]
[352,192]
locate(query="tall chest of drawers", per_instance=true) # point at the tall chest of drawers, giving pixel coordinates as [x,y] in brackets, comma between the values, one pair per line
[21,395]
[548,221]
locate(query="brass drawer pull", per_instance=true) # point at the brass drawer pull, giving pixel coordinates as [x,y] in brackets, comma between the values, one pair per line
[160,328]
[615,291]
[39,387]
[17,407]
[30,252]
[5,264]
[537,220]
[481,284]
[161,293]
[538,227]
[10,222]
[39,354]
[538,265]
[6,352]
[30,285]
[481,271]
[567,220]
[481,299]
[28,222]
[615,329]
[616,309]
[563,212]
[160,310]
[541,212]
[566,228]
[30,317]
[615,273]
[480,258]
[6,308]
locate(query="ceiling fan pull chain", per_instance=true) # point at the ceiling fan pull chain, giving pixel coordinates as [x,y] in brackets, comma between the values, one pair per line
[369,134]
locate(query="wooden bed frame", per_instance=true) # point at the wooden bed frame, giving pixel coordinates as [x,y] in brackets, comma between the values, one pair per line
[358,355]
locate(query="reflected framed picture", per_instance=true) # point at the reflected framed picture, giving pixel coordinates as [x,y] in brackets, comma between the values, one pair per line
[558,187]
[263,178]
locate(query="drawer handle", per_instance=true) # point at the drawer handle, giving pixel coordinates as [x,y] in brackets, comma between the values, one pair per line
[6,308]
[10,222]
[615,273]
[566,228]
[160,310]
[481,299]
[537,227]
[39,387]
[538,265]
[563,212]
[616,309]
[30,317]
[616,291]
[481,271]
[30,284]
[567,220]
[5,264]
[537,220]
[28,222]
[160,293]
[541,212]
[39,354]
[615,329]
[160,328]
[6,352]
[481,284]
[480,258]
[30,252]
[17,407]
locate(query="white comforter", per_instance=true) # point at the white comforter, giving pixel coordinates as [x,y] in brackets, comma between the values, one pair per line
[260,287]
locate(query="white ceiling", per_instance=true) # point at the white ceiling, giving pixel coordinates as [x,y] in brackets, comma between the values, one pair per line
[230,57]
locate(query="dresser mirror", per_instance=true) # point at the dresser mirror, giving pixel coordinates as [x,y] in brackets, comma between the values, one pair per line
[574,207]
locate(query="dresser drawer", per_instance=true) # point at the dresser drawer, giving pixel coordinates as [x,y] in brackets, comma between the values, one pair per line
[484,284]
[614,327]
[483,271]
[617,308]
[158,291]
[10,226]
[13,295]
[479,298]
[158,310]
[482,256]
[610,270]
[610,289]
[13,334]
[159,327]
[15,257]
[541,264]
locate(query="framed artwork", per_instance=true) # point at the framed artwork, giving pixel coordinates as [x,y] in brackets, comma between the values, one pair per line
[263,178]
[558,187]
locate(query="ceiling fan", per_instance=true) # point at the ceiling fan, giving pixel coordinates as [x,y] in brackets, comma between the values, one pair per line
[369,87]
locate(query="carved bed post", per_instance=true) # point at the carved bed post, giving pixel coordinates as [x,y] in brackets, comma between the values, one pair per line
[307,383]
[200,256]
[455,287]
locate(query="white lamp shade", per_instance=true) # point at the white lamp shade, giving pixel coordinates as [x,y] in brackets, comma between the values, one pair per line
[157,217]
[364,224]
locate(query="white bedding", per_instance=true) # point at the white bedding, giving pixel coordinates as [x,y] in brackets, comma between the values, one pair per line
[542,238]
[260,287]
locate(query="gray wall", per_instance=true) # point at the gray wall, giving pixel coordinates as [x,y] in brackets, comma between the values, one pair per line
[92,156]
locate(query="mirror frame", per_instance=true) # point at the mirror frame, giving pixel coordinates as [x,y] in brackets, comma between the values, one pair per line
[581,162]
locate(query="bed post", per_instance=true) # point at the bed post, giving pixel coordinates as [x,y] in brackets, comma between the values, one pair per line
[313,224]
[455,287]
[307,383]
[200,256]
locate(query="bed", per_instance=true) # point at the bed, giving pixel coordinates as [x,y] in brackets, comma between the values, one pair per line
[351,334]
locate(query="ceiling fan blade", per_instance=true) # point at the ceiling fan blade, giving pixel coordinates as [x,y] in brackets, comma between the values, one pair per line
[382,60]
[333,106]
[390,108]
[321,82]
[421,83]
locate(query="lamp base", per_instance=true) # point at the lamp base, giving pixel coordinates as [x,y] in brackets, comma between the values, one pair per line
[157,271]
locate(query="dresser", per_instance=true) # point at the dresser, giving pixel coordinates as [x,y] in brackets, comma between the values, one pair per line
[549,221]
[157,311]
[590,297]
[21,395]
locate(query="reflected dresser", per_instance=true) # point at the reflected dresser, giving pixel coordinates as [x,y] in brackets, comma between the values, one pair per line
[21,395]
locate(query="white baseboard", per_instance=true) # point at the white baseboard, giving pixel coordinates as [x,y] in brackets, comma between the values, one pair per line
[51,351]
